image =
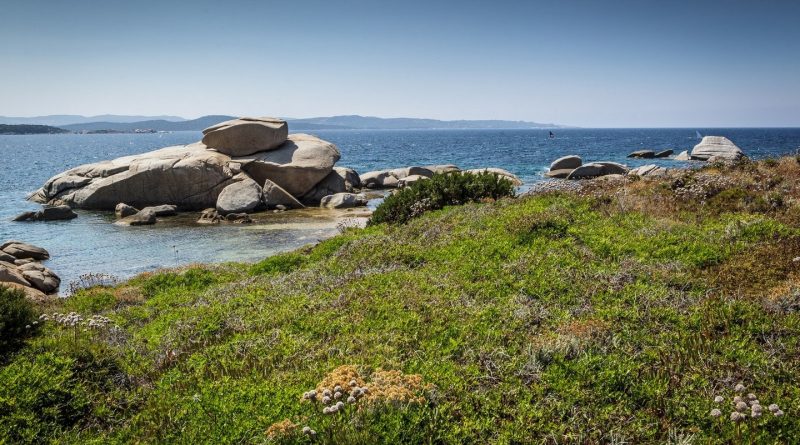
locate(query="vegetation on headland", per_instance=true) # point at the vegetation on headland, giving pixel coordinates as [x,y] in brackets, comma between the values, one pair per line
[613,314]
[30,129]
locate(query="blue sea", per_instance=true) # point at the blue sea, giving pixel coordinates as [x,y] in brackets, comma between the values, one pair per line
[91,243]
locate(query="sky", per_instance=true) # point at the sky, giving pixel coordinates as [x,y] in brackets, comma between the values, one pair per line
[585,63]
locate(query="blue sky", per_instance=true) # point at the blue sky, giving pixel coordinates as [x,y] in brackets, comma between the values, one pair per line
[586,63]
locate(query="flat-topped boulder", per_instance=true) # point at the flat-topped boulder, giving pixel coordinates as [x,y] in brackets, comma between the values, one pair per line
[644,154]
[296,166]
[21,250]
[716,146]
[246,135]
[570,162]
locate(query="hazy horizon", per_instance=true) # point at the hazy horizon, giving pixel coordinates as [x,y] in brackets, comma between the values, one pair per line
[619,64]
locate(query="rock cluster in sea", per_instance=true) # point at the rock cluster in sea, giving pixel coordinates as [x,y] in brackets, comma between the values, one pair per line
[240,166]
[711,149]
[21,268]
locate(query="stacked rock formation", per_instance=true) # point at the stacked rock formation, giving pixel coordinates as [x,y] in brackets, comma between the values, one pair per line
[242,165]
[20,268]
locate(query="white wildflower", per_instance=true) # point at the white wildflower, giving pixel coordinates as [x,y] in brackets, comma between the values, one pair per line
[739,388]
[351,399]
[778,413]
[773,408]
[716,413]
[718,399]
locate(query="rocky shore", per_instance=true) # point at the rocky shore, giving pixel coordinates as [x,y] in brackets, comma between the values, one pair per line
[21,268]
[240,166]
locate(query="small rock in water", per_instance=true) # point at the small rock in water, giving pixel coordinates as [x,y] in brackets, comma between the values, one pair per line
[123,210]
[664,153]
[644,154]
[48,213]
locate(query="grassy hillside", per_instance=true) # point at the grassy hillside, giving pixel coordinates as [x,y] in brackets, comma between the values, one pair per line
[614,314]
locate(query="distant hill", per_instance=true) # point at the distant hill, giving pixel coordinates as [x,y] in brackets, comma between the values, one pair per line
[60,120]
[30,129]
[405,123]
[157,125]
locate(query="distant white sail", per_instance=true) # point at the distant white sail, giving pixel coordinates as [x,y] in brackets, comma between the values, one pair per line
[697,133]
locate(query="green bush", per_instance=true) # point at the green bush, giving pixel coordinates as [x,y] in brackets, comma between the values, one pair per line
[17,319]
[440,191]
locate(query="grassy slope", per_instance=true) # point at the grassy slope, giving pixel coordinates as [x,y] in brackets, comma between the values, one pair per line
[615,314]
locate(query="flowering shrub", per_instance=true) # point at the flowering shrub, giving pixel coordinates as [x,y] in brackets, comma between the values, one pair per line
[744,410]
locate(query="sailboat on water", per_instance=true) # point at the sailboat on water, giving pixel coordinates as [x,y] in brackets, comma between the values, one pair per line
[697,133]
[552,135]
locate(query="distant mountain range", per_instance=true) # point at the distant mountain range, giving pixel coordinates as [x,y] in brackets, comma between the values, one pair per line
[59,120]
[118,123]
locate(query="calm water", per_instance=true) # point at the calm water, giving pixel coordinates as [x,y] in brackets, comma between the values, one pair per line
[91,243]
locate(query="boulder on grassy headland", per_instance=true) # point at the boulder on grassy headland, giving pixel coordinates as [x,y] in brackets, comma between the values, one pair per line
[246,135]
[718,146]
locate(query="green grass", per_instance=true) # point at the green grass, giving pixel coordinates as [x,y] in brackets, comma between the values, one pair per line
[558,318]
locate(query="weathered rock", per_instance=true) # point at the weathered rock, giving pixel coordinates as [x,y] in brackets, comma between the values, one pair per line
[21,250]
[238,218]
[498,171]
[163,209]
[404,172]
[340,180]
[31,293]
[246,136]
[6,258]
[408,180]
[41,277]
[570,162]
[683,156]
[10,273]
[123,210]
[596,169]
[190,176]
[274,196]
[210,216]
[648,170]
[242,196]
[664,153]
[560,174]
[343,201]
[48,213]
[379,179]
[716,146]
[296,166]
[23,261]
[442,168]
[143,217]
[644,154]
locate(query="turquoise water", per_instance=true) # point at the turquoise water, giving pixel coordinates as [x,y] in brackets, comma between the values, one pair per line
[91,243]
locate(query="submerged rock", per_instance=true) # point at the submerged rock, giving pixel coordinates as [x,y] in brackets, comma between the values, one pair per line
[144,217]
[644,154]
[48,213]
[718,146]
[246,135]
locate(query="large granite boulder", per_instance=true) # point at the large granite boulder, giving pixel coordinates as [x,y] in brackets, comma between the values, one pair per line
[716,146]
[10,273]
[296,166]
[189,176]
[597,169]
[442,168]
[343,201]
[500,172]
[273,196]
[340,180]
[21,250]
[570,162]
[379,179]
[246,135]
[242,196]
[683,156]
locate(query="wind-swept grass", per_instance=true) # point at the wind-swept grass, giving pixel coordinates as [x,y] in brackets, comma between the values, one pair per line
[614,314]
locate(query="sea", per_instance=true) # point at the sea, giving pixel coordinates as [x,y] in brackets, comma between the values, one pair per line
[91,244]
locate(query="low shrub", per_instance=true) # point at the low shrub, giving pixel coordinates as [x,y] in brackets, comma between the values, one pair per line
[18,320]
[440,191]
